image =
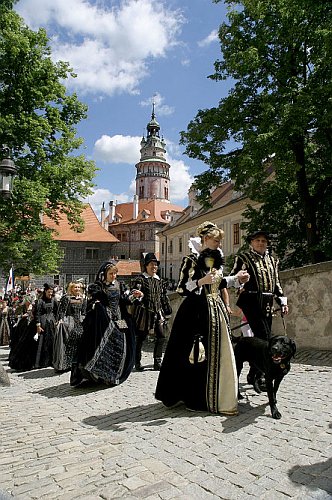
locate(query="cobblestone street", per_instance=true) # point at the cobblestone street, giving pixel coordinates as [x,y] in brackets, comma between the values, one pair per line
[105,443]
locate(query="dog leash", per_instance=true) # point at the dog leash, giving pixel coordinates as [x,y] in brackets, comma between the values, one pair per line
[283,323]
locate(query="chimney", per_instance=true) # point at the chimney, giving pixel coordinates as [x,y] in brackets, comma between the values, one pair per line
[135,207]
[102,215]
[111,216]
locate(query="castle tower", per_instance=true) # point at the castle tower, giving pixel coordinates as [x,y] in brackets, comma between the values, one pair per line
[152,177]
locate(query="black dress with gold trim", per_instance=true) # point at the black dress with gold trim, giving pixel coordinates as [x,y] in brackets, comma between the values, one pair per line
[210,385]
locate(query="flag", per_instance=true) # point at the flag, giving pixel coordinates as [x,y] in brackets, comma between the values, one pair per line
[10,281]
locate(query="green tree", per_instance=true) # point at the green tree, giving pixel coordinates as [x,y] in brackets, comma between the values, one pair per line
[279,116]
[37,121]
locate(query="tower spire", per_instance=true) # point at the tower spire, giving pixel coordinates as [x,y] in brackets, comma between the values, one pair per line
[152,179]
[153,108]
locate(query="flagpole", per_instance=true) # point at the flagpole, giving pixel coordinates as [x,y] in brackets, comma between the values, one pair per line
[10,281]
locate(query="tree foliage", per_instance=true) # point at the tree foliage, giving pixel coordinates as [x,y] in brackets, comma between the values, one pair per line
[37,121]
[279,116]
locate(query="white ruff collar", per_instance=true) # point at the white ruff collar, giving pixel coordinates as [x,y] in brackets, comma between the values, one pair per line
[146,275]
[195,246]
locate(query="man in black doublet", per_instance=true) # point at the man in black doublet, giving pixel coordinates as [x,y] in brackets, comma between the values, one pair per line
[256,296]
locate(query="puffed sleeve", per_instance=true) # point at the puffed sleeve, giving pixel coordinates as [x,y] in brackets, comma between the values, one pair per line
[187,281]
[63,306]
[238,265]
[38,312]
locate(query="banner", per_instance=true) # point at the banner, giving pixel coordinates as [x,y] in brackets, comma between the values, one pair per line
[10,282]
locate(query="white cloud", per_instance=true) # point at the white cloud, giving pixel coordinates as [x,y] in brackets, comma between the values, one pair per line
[101,196]
[180,180]
[117,149]
[186,62]
[161,109]
[108,47]
[211,38]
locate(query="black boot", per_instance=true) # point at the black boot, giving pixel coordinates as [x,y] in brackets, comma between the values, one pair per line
[76,377]
[138,353]
[158,352]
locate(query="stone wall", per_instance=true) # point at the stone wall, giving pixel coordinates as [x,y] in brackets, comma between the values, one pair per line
[309,292]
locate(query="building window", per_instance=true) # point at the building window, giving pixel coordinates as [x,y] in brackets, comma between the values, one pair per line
[180,245]
[170,247]
[56,279]
[236,234]
[69,278]
[141,191]
[162,248]
[92,253]
[122,236]
[142,235]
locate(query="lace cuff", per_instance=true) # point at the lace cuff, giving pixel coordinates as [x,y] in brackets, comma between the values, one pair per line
[192,285]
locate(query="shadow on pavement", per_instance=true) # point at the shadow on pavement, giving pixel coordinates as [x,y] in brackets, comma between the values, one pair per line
[153,414]
[156,414]
[65,390]
[314,476]
[37,373]
[313,357]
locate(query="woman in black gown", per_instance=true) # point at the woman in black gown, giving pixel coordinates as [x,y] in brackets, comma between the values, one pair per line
[5,323]
[106,349]
[45,315]
[69,329]
[206,381]
[23,346]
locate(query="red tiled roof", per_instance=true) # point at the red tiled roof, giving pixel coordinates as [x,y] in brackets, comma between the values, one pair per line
[128,267]
[93,231]
[153,207]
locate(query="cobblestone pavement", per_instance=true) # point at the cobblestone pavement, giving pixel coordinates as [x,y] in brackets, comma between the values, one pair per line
[110,443]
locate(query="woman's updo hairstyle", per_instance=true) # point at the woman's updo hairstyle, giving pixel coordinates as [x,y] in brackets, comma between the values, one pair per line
[102,271]
[208,228]
[47,286]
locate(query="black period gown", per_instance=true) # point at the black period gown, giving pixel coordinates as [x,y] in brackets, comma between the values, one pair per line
[210,385]
[23,349]
[69,330]
[107,346]
[45,314]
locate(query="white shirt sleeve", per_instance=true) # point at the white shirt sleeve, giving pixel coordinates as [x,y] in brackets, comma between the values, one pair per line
[232,281]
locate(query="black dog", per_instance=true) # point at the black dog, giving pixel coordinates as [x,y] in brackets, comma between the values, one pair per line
[269,357]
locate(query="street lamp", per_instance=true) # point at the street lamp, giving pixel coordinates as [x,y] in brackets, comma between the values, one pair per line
[7,172]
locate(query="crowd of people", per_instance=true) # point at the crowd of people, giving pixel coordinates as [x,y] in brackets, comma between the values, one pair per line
[97,334]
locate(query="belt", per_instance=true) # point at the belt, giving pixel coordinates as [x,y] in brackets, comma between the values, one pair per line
[269,294]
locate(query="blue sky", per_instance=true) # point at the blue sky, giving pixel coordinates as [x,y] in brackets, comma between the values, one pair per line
[124,52]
